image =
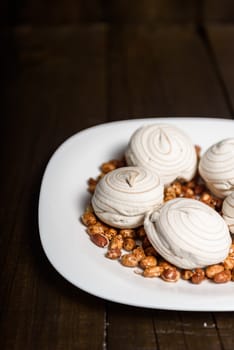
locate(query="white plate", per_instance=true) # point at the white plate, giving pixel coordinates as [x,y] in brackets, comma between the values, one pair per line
[64,196]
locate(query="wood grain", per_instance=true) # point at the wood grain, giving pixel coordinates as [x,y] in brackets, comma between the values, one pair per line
[162,71]
[42,12]
[152,11]
[221,38]
[46,100]
[130,328]
[56,81]
[70,12]
[218,11]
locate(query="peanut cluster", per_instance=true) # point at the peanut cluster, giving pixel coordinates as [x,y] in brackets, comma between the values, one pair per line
[132,248]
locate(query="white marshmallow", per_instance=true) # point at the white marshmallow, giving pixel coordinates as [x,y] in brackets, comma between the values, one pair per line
[217,168]
[165,149]
[188,233]
[228,211]
[123,196]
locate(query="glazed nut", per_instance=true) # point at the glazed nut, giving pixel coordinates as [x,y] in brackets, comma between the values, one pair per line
[112,165]
[92,183]
[152,271]
[170,274]
[116,242]
[229,263]
[141,232]
[231,250]
[205,197]
[139,253]
[127,233]
[199,189]
[119,163]
[146,243]
[150,251]
[189,193]
[110,233]
[223,276]
[198,276]
[148,261]
[191,184]
[212,270]
[113,253]
[168,198]
[88,218]
[177,188]
[165,264]
[107,167]
[170,190]
[169,193]
[129,244]
[96,229]
[99,239]
[186,274]
[129,260]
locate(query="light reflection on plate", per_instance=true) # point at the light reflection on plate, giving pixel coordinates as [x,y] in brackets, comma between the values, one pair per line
[64,196]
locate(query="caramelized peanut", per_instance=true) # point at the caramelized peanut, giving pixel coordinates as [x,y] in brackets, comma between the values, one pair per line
[129,244]
[148,261]
[127,233]
[113,253]
[129,260]
[198,276]
[146,243]
[92,183]
[205,198]
[223,277]
[99,239]
[150,251]
[170,274]
[186,274]
[139,253]
[199,189]
[153,271]
[229,263]
[116,242]
[110,233]
[107,167]
[177,188]
[141,232]
[231,250]
[95,229]
[88,218]
[212,270]
[165,264]
[189,193]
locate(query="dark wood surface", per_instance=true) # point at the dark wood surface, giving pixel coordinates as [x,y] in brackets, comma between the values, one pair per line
[73,68]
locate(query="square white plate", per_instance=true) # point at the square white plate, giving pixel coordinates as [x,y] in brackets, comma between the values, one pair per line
[64,196]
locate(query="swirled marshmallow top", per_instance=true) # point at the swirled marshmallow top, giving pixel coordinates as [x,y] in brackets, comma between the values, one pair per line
[228,211]
[165,149]
[188,233]
[123,196]
[217,168]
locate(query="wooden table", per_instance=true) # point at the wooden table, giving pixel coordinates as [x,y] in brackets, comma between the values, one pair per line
[55,82]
